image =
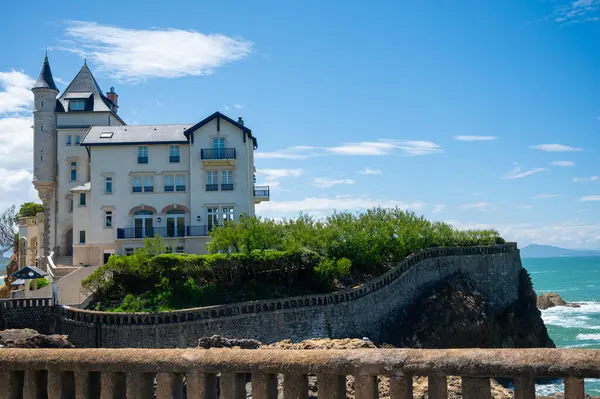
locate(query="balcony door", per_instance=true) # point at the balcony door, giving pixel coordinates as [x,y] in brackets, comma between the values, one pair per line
[175,223]
[143,223]
[219,148]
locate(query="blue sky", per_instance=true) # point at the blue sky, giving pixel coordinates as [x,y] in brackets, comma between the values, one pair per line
[485,114]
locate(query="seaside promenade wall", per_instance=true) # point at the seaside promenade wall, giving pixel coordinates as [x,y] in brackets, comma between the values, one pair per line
[35,313]
[356,312]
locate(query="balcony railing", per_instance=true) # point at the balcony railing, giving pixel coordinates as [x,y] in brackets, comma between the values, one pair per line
[174,159]
[217,153]
[212,187]
[166,232]
[261,191]
[226,187]
[142,159]
[149,373]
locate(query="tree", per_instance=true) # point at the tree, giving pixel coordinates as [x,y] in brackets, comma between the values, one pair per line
[9,237]
[30,209]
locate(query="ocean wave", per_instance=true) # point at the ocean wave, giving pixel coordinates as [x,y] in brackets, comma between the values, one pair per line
[572,317]
[591,387]
[588,337]
[585,345]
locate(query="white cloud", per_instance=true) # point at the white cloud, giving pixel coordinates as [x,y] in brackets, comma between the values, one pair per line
[562,163]
[481,205]
[584,179]
[16,96]
[330,204]
[438,208]
[387,147]
[369,172]
[555,148]
[138,54]
[475,138]
[327,182]
[543,196]
[590,198]
[295,152]
[275,174]
[577,11]
[238,106]
[517,174]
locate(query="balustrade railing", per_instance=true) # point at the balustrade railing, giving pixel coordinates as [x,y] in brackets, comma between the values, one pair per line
[235,373]
[165,232]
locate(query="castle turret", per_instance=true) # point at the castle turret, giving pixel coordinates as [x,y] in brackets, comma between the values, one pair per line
[44,142]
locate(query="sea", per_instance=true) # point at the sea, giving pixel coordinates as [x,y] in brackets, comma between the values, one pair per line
[3,263]
[575,279]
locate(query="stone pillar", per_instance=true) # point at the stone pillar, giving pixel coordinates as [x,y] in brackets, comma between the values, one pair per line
[12,384]
[437,387]
[295,386]
[574,388]
[476,388]
[46,240]
[169,386]
[331,386]
[201,386]
[524,388]
[366,387]
[140,385]
[34,384]
[112,385]
[233,386]
[264,386]
[401,387]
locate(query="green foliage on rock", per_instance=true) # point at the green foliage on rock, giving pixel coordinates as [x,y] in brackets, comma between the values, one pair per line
[30,209]
[262,258]
[41,283]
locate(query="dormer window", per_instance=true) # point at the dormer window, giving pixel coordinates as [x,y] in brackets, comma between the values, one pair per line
[77,105]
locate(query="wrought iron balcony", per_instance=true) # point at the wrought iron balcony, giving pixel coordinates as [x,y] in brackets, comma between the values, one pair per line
[174,159]
[226,187]
[212,187]
[261,191]
[166,232]
[217,153]
[142,159]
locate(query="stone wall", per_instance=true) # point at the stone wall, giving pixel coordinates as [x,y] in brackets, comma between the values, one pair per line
[27,313]
[356,312]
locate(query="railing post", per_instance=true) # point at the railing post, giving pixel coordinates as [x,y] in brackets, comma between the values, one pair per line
[264,386]
[34,384]
[11,383]
[233,386]
[574,388]
[437,387]
[366,387]
[112,385]
[169,386]
[476,388]
[61,384]
[401,387]
[524,388]
[201,386]
[140,385]
[331,386]
[87,385]
[295,386]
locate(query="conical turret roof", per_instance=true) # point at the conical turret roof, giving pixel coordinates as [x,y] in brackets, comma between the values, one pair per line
[45,80]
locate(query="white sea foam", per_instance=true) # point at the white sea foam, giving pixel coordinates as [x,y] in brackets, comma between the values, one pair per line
[588,337]
[572,317]
[549,389]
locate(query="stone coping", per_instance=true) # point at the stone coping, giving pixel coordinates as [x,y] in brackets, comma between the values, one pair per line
[25,303]
[270,305]
[547,363]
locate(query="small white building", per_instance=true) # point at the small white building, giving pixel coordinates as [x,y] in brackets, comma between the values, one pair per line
[106,185]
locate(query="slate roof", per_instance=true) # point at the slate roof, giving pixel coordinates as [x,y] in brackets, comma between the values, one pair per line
[45,80]
[228,119]
[24,273]
[136,134]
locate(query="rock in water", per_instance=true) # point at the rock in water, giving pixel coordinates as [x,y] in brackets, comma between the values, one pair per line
[551,300]
[28,338]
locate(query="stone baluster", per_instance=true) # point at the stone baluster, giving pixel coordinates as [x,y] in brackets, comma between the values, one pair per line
[476,388]
[60,384]
[201,386]
[233,386]
[574,388]
[366,387]
[34,384]
[140,385]
[331,386]
[524,388]
[87,384]
[295,386]
[264,386]
[112,385]
[11,383]
[401,387]
[437,387]
[169,386]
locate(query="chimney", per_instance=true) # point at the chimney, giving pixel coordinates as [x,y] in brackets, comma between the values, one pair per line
[112,96]
[240,120]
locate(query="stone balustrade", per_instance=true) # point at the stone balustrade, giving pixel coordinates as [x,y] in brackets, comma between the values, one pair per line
[131,373]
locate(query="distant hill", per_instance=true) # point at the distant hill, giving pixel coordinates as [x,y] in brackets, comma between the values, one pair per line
[549,251]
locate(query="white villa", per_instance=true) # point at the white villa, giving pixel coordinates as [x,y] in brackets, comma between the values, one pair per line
[106,185]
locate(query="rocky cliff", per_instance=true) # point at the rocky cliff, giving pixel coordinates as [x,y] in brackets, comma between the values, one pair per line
[455,315]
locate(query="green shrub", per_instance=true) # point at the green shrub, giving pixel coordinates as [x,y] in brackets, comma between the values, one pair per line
[41,283]
[329,270]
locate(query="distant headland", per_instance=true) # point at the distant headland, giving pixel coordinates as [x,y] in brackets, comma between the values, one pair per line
[549,251]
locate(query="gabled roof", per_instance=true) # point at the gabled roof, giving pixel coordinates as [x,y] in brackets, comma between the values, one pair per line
[28,273]
[228,119]
[135,134]
[45,80]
